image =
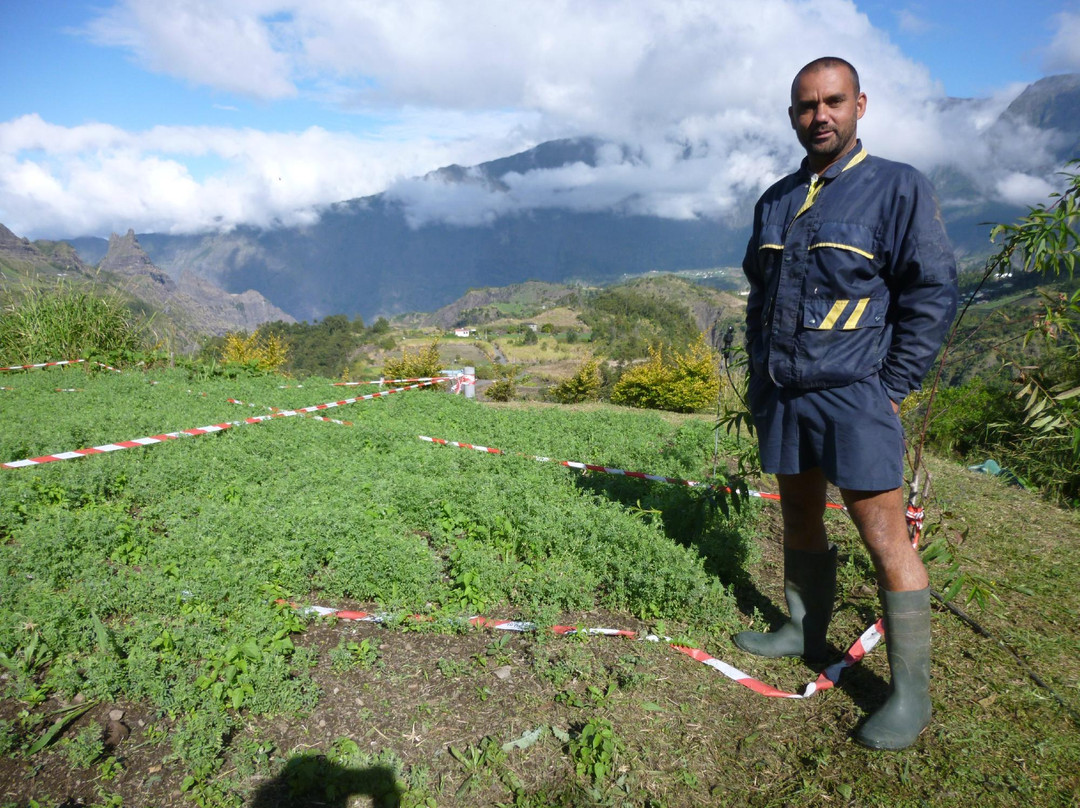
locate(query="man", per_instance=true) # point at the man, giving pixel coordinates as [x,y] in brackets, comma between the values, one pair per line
[852,290]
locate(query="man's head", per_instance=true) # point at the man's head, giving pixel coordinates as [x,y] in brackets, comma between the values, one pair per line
[826,104]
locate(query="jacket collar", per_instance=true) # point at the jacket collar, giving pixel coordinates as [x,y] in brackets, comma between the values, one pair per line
[857,154]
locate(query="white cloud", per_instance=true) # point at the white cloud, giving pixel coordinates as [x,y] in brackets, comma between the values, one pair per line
[454,82]
[911,23]
[1063,53]
[230,46]
[69,181]
[1023,189]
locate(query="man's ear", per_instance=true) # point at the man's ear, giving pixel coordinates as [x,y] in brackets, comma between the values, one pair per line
[860,106]
[791,116]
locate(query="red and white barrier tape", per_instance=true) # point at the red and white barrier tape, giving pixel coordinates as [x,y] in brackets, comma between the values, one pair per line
[640,475]
[826,679]
[368,397]
[914,516]
[462,381]
[131,444]
[57,364]
[128,444]
[394,381]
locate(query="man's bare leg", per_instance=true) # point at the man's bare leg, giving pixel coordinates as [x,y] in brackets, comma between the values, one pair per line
[879,518]
[802,504]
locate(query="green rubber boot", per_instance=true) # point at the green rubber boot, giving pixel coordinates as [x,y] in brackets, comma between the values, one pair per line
[907,642]
[809,588]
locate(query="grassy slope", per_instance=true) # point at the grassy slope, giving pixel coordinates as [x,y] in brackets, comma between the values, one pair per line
[193,538]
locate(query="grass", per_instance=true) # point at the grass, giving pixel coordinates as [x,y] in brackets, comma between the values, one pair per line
[145,581]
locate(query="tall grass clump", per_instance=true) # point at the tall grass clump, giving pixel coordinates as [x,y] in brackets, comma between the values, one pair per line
[63,323]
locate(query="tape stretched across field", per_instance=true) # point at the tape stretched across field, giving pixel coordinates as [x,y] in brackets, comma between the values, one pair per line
[202,430]
[58,364]
[825,680]
[638,475]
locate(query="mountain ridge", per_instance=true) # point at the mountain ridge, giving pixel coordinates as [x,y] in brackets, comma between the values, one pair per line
[370,257]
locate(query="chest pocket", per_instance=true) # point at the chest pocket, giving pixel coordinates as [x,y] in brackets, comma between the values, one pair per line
[828,314]
[847,238]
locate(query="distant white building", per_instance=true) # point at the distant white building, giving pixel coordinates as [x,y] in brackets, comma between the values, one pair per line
[464,332]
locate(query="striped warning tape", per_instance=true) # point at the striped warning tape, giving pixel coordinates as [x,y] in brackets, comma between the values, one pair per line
[828,678]
[278,409]
[639,475]
[131,444]
[394,381]
[57,364]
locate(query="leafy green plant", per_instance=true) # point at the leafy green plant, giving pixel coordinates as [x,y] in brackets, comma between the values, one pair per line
[9,737]
[351,654]
[86,747]
[23,665]
[1044,441]
[594,750]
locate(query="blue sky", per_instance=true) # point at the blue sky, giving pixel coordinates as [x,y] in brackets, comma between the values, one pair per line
[193,114]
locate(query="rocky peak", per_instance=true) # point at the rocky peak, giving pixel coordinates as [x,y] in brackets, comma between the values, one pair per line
[15,247]
[127,258]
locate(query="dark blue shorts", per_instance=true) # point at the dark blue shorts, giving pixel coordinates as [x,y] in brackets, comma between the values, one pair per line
[850,432]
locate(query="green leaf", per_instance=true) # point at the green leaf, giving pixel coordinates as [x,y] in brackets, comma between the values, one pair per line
[58,725]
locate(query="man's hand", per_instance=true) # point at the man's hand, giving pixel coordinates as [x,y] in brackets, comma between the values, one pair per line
[895,407]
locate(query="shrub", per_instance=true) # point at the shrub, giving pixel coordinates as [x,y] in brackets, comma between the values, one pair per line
[506,381]
[582,386]
[678,382]
[265,352]
[422,363]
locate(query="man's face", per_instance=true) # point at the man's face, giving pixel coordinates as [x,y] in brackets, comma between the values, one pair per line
[824,111]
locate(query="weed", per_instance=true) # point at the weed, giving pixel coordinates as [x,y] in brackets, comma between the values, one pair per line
[351,654]
[9,738]
[86,747]
[110,769]
[594,750]
[450,668]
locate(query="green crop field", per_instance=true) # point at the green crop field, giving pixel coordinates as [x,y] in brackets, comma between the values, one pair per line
[149,654]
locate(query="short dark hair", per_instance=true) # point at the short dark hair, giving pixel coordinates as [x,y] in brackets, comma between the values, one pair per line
[823,63]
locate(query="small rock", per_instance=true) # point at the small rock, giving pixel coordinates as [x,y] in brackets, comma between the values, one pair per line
[79,698]
[116,733]
[154,769]
[503,672]
[116,715]
[322,723]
